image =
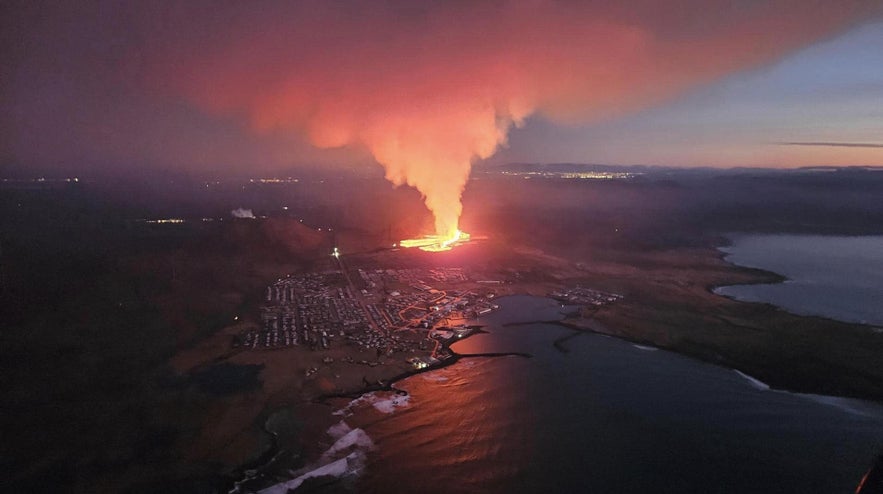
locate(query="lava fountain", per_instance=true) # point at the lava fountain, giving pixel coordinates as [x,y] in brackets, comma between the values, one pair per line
[437,243]
[429,88]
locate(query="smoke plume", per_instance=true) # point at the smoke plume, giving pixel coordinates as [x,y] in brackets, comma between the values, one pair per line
[427,87]
[430,89]
[242,213]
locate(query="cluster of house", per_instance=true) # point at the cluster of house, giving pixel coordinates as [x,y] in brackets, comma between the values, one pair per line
[311,309]
[317,309]
[585,296]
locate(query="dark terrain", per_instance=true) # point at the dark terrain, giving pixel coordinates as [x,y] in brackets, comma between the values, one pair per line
[96,301]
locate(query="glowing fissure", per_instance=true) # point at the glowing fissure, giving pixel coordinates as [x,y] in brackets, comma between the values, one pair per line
[437,243]
[428,88]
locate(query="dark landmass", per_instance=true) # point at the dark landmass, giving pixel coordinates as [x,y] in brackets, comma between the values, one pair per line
[388,384]
[672,307]
[116,363]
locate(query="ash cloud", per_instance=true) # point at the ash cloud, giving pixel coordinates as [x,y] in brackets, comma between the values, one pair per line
[426,88]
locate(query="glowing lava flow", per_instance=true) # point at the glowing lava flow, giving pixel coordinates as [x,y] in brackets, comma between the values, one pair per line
[436,243]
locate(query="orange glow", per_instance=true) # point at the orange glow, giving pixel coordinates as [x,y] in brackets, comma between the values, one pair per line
[437,243]
[433,88]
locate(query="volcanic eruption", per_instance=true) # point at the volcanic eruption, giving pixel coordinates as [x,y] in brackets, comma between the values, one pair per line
[429,88]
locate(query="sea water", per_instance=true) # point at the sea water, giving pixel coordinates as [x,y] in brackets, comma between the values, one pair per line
[607,416]
[832,276]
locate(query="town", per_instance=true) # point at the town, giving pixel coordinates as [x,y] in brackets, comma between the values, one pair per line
[409,314]
[384,311]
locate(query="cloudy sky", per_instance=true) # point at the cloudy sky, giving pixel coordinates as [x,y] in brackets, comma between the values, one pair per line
[821,105]
[232,86]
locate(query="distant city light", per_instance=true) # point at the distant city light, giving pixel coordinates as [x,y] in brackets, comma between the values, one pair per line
[287,180]
[573,175]
[167,220]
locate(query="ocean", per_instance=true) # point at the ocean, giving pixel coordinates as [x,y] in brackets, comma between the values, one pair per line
[603,416]
[832,276]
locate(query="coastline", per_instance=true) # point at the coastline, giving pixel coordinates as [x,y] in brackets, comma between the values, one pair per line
[775,278]
[265,460]
[387,384]
[799,386]
[847,403]
[579,327]
[664,307]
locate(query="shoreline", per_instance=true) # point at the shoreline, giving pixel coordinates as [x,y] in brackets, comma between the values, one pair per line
[875,328]
[655,314]
[265,460]
[582,328]
[847,405]
[578,326]
[839,401]
[775,278]
[448,361]
[574,323]
[579,329]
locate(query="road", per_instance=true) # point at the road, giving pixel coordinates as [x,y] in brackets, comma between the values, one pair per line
[356,293]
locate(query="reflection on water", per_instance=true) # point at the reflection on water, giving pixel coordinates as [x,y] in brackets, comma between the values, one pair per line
[607,417]
[448,439]
[836,277]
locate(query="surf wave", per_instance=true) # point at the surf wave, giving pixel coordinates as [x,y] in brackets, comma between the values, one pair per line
[345,457]
[338,468]
[854,407]
[385,403]
[338,430]
[645,348]
[755,383]
[355,439]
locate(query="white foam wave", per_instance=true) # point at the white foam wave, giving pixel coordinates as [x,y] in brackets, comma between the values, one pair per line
[339,429]
[354,443]
[354,439]
[338,468]
[347,410]
[848,405]
[390,405]
[755,383]
[382,404]
[645,348]
[855,407]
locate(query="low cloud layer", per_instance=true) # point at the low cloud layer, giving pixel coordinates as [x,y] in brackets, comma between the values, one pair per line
[835,144]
